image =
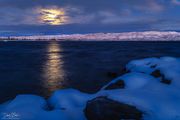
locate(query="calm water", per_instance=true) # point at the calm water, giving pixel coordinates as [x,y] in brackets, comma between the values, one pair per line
[42,67]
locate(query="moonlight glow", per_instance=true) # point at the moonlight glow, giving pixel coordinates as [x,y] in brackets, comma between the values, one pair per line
[52,16]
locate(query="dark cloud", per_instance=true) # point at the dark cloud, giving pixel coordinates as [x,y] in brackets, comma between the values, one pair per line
[105,15]
[176,2]
[89,5]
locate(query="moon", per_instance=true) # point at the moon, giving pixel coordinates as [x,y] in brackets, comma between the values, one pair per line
[53,16]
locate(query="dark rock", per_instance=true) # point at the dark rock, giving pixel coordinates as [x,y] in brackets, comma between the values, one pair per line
[153,66]
[48,107]
[165,81]
[112,74]
[102,108]
[124,71]
[148,63]
[117,85]
[156,73]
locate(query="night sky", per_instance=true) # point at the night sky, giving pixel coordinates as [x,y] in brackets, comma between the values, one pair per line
[28,17]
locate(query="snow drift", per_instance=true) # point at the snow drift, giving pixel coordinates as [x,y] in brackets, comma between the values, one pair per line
[152,85]
[127,36]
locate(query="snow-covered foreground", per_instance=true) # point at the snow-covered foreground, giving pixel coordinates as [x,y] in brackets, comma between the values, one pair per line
[152,85]
[127,36]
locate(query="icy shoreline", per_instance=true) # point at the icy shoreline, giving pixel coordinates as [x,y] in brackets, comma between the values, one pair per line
[152,85]
[127,36]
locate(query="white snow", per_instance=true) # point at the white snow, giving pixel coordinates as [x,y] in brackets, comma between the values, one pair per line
[142,65]
[157,100]
[134,80]
[69,98]
[29,107]
[169,67]
[126,36]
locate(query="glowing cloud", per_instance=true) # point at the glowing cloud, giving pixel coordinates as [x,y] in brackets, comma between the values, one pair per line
[177,2]
[53,16]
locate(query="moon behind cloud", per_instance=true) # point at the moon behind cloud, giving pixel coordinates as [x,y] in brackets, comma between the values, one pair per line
[52,16]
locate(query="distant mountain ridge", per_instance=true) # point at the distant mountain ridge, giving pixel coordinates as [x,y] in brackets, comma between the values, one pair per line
[126,36]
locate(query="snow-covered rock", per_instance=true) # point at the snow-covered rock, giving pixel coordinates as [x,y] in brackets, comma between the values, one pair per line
[133,80]
[126,36]
[159,101]
[68,99]
[143,90]
[29,107]
[103,108]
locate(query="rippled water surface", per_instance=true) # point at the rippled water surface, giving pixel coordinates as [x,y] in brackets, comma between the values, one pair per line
[42,67]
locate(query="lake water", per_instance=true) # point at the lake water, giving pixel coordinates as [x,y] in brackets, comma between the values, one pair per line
[42,67]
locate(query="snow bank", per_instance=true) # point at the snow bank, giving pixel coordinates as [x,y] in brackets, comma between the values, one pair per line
[72,101]
[126,36]
[69,98]
[168,66]
[29,107]
[144,88]
[134,80]
[158,100]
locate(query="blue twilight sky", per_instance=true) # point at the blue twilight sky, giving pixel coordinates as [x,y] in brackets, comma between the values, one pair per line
[27,17]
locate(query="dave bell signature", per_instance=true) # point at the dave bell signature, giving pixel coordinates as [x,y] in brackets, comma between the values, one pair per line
[10,116]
